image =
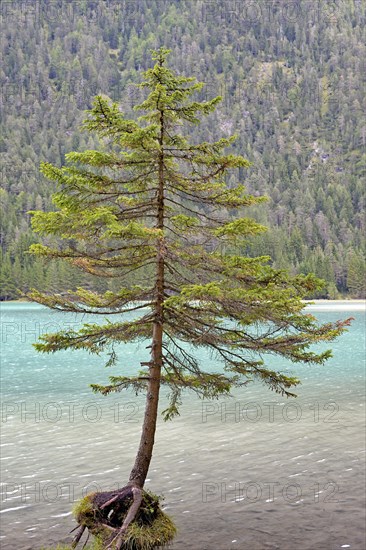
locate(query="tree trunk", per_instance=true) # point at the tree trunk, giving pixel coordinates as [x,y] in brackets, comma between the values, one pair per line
[144,453]
[113,512]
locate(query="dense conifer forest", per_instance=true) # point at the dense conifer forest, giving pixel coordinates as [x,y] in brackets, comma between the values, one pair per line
[292,80]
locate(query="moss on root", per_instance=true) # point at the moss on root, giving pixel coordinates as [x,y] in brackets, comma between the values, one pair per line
[156,535]
[151,529]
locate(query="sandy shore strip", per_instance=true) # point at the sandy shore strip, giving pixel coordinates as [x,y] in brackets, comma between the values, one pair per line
[336,305]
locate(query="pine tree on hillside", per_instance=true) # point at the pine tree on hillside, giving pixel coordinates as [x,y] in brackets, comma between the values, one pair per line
[154,205]
[356,276]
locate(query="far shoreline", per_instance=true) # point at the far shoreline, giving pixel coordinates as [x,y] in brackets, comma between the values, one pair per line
[346,300]
[314,301]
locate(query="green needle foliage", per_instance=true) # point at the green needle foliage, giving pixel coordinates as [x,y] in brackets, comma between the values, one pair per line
[153,210]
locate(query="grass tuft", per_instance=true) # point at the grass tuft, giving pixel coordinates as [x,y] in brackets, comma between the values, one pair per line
[156,535]
[152,528]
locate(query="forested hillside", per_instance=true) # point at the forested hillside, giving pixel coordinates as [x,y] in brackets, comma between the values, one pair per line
[292,78]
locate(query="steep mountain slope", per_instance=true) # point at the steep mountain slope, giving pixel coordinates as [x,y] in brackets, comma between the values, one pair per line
[292,78]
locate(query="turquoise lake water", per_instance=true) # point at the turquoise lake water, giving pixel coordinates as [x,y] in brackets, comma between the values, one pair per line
[252,472]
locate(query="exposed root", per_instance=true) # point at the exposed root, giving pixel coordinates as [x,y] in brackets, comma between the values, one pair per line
[126,519]
[86,542]
[131,514]
[77,537]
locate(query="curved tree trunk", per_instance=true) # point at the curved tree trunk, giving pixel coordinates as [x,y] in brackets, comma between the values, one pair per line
[144,453]
[105,509]
[108,505]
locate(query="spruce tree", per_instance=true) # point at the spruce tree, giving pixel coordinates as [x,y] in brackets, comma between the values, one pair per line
[8,287]
[152,210]
[356,276]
